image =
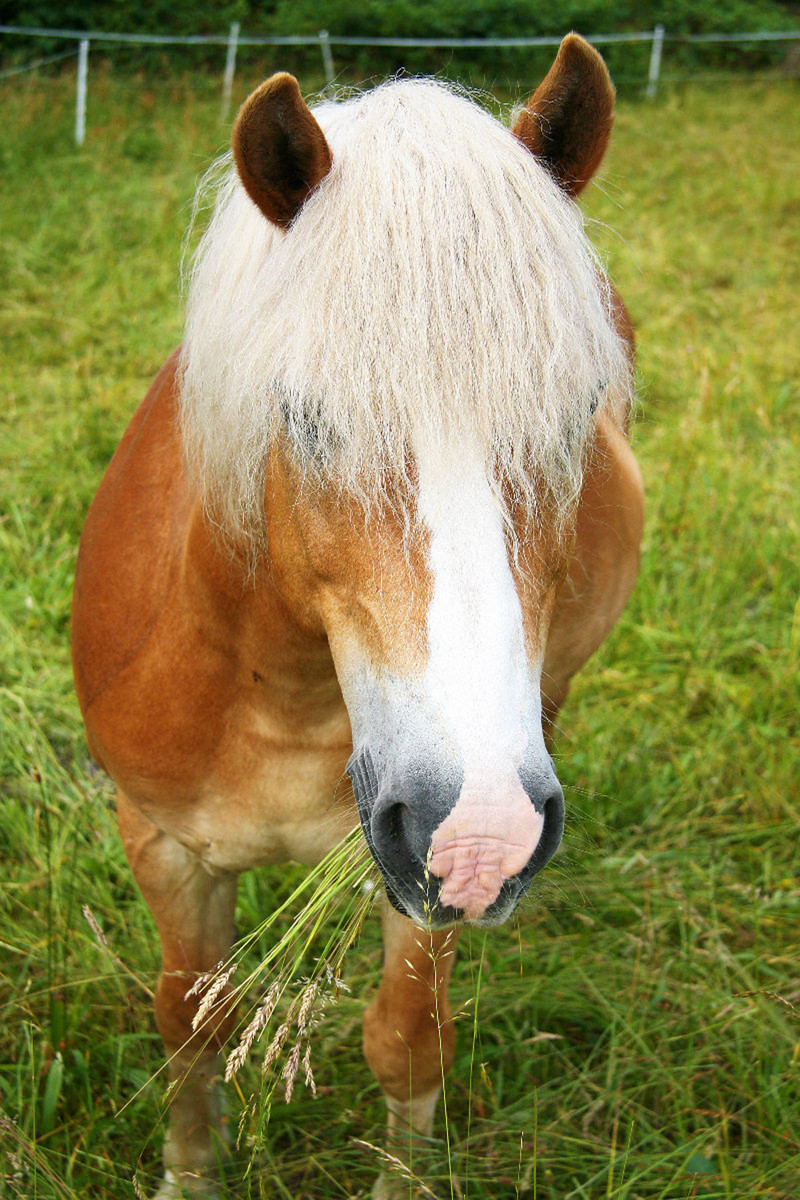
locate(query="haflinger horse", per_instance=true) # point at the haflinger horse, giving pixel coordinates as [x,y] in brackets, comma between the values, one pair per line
[368,521]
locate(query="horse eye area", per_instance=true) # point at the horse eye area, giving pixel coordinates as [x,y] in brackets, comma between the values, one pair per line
[308,435]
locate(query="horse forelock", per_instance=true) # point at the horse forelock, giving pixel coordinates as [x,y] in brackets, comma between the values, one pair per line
[437,285]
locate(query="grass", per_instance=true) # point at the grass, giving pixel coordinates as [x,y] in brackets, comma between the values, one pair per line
[637,1032]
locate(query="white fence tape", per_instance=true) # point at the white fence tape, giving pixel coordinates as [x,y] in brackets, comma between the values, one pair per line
[657,37]
[37,62]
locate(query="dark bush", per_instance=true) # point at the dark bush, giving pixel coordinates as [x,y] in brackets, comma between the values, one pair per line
[421,18]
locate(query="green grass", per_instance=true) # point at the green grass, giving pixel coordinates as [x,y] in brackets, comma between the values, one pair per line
[638,1029]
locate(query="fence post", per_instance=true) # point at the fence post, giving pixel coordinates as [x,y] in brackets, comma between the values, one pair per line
[80,96]
[327,57]
[230,67]
[655,62]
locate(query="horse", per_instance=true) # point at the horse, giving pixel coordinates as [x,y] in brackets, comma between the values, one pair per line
[366,525]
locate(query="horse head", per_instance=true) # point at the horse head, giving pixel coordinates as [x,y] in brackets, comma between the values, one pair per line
[423,342]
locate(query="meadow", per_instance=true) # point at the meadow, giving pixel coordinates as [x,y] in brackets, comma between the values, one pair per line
[635,1033]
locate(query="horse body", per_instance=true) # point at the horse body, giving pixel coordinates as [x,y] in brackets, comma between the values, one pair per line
[421,637]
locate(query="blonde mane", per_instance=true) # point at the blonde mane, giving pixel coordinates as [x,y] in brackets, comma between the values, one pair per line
[436,285]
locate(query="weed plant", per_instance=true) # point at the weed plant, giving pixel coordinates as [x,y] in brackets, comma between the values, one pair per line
[635,1033]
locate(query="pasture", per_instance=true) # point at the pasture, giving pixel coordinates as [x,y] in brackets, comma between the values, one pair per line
[635,1033]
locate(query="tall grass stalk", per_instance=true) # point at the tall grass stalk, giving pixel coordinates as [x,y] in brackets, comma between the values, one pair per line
[334,898]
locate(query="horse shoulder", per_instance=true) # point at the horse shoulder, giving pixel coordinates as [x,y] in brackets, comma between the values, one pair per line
[150,642]
[130,546]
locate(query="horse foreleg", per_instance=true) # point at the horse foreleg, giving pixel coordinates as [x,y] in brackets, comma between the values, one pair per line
[409,1040]
[193,909]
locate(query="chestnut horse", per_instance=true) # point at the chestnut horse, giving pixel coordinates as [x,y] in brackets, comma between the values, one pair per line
[369,521]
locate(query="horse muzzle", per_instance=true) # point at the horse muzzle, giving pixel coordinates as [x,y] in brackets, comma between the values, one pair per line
[453,849]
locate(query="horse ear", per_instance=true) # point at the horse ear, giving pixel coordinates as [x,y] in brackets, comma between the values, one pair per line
[280,151]
[567,121]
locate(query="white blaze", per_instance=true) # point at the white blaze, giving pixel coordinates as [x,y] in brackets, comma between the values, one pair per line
[477,678]
[477,673]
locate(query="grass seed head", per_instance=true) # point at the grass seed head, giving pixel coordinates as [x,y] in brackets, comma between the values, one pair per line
[290,1069]
[216,987]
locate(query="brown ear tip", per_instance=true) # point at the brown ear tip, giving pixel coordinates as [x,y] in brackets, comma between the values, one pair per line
[278,86]
[282,81]
[573,40]
[576,47]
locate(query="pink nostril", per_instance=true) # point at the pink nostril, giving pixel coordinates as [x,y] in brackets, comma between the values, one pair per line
[488,836]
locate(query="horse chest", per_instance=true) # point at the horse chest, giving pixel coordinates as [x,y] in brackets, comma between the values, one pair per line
[257,793]
[268,800]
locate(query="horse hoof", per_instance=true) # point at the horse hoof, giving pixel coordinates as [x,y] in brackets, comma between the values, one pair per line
[387,1187]
[186,1187]
[391,1186]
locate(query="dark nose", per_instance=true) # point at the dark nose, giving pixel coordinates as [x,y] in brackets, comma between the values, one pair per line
[410,802]
[403,819]
[399,814]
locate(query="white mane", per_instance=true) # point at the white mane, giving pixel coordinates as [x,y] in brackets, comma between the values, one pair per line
[436,283]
